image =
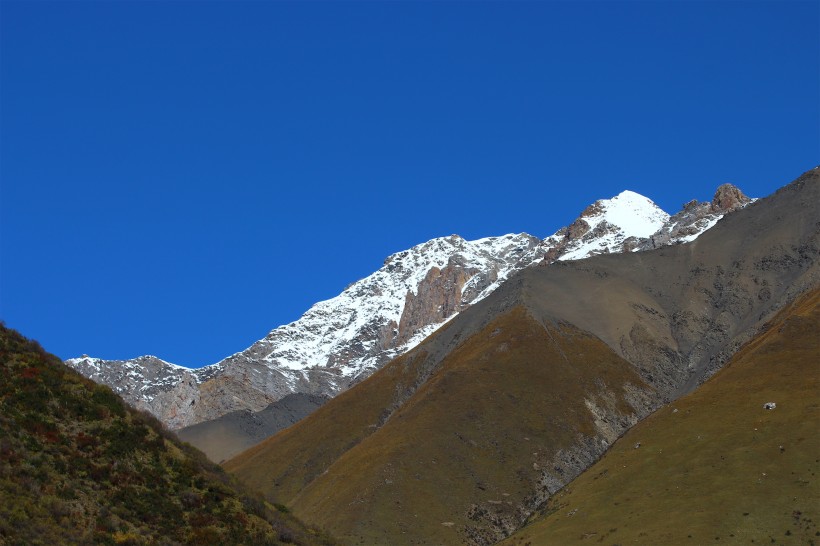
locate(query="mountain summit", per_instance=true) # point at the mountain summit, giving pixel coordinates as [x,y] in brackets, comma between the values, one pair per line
[606,225]
[340,341]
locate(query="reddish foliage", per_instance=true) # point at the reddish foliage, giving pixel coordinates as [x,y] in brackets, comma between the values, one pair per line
[84,440]
[30,373]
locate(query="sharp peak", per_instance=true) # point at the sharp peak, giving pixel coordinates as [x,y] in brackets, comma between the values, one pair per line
[728,186]
[627,199]
[628,196]
[630,193]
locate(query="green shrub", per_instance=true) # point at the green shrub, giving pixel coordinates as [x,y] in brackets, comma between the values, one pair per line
[105,397]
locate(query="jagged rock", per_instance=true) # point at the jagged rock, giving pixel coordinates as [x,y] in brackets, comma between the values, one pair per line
[437,298]
[728,198]
[577,229]
[695,218]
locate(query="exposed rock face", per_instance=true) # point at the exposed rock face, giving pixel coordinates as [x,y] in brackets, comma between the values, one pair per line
[173,407]
[341,341]
[438,298]
[728,198]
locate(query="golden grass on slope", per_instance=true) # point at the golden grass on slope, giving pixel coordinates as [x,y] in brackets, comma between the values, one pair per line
[714,467]
[285,463]
[460,459]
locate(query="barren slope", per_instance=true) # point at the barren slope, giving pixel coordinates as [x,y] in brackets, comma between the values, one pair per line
[715,466]
[235,432]
[462,456]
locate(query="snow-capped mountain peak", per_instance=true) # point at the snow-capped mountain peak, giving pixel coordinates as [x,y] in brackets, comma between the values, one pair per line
[607,226]
[634,214]
[340,341]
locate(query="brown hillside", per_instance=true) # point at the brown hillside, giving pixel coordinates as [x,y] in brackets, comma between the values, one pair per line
[462,457]
[715,467]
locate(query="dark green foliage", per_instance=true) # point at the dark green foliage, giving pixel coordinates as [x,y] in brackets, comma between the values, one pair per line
[79,466]
[104,397]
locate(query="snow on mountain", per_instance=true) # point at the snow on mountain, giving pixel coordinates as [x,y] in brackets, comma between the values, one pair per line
[145,375]
[340,341]
[329,333]
[606,224]
[695,218]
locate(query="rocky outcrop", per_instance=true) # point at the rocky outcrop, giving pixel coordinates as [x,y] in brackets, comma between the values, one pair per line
[173,407]
[728,198]
[437,299]
[695,218]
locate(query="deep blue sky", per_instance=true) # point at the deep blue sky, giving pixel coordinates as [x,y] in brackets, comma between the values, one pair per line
[178,178]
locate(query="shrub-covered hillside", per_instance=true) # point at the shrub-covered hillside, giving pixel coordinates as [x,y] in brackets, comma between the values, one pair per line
[79,466]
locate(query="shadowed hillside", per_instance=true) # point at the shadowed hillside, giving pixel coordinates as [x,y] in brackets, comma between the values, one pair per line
[235,432]
[460,440]
[714,467]
[77,466]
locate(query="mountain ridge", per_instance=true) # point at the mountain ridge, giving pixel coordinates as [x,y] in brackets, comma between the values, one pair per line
[339,342]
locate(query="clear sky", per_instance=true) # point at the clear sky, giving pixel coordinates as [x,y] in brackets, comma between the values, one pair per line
[178,178]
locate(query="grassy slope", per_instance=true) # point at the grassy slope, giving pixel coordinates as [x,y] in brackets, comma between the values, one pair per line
[282,465]
[720,469]
[79,466]
[461,457]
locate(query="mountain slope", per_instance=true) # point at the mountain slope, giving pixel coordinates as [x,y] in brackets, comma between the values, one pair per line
[715,465]
[341,341]
[460,457]
[235,432]
[660,322]
[77,466]
[678,312]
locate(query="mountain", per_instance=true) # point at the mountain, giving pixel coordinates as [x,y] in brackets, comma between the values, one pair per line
[341,341]
[716,466]
[463,438]
[78,466]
